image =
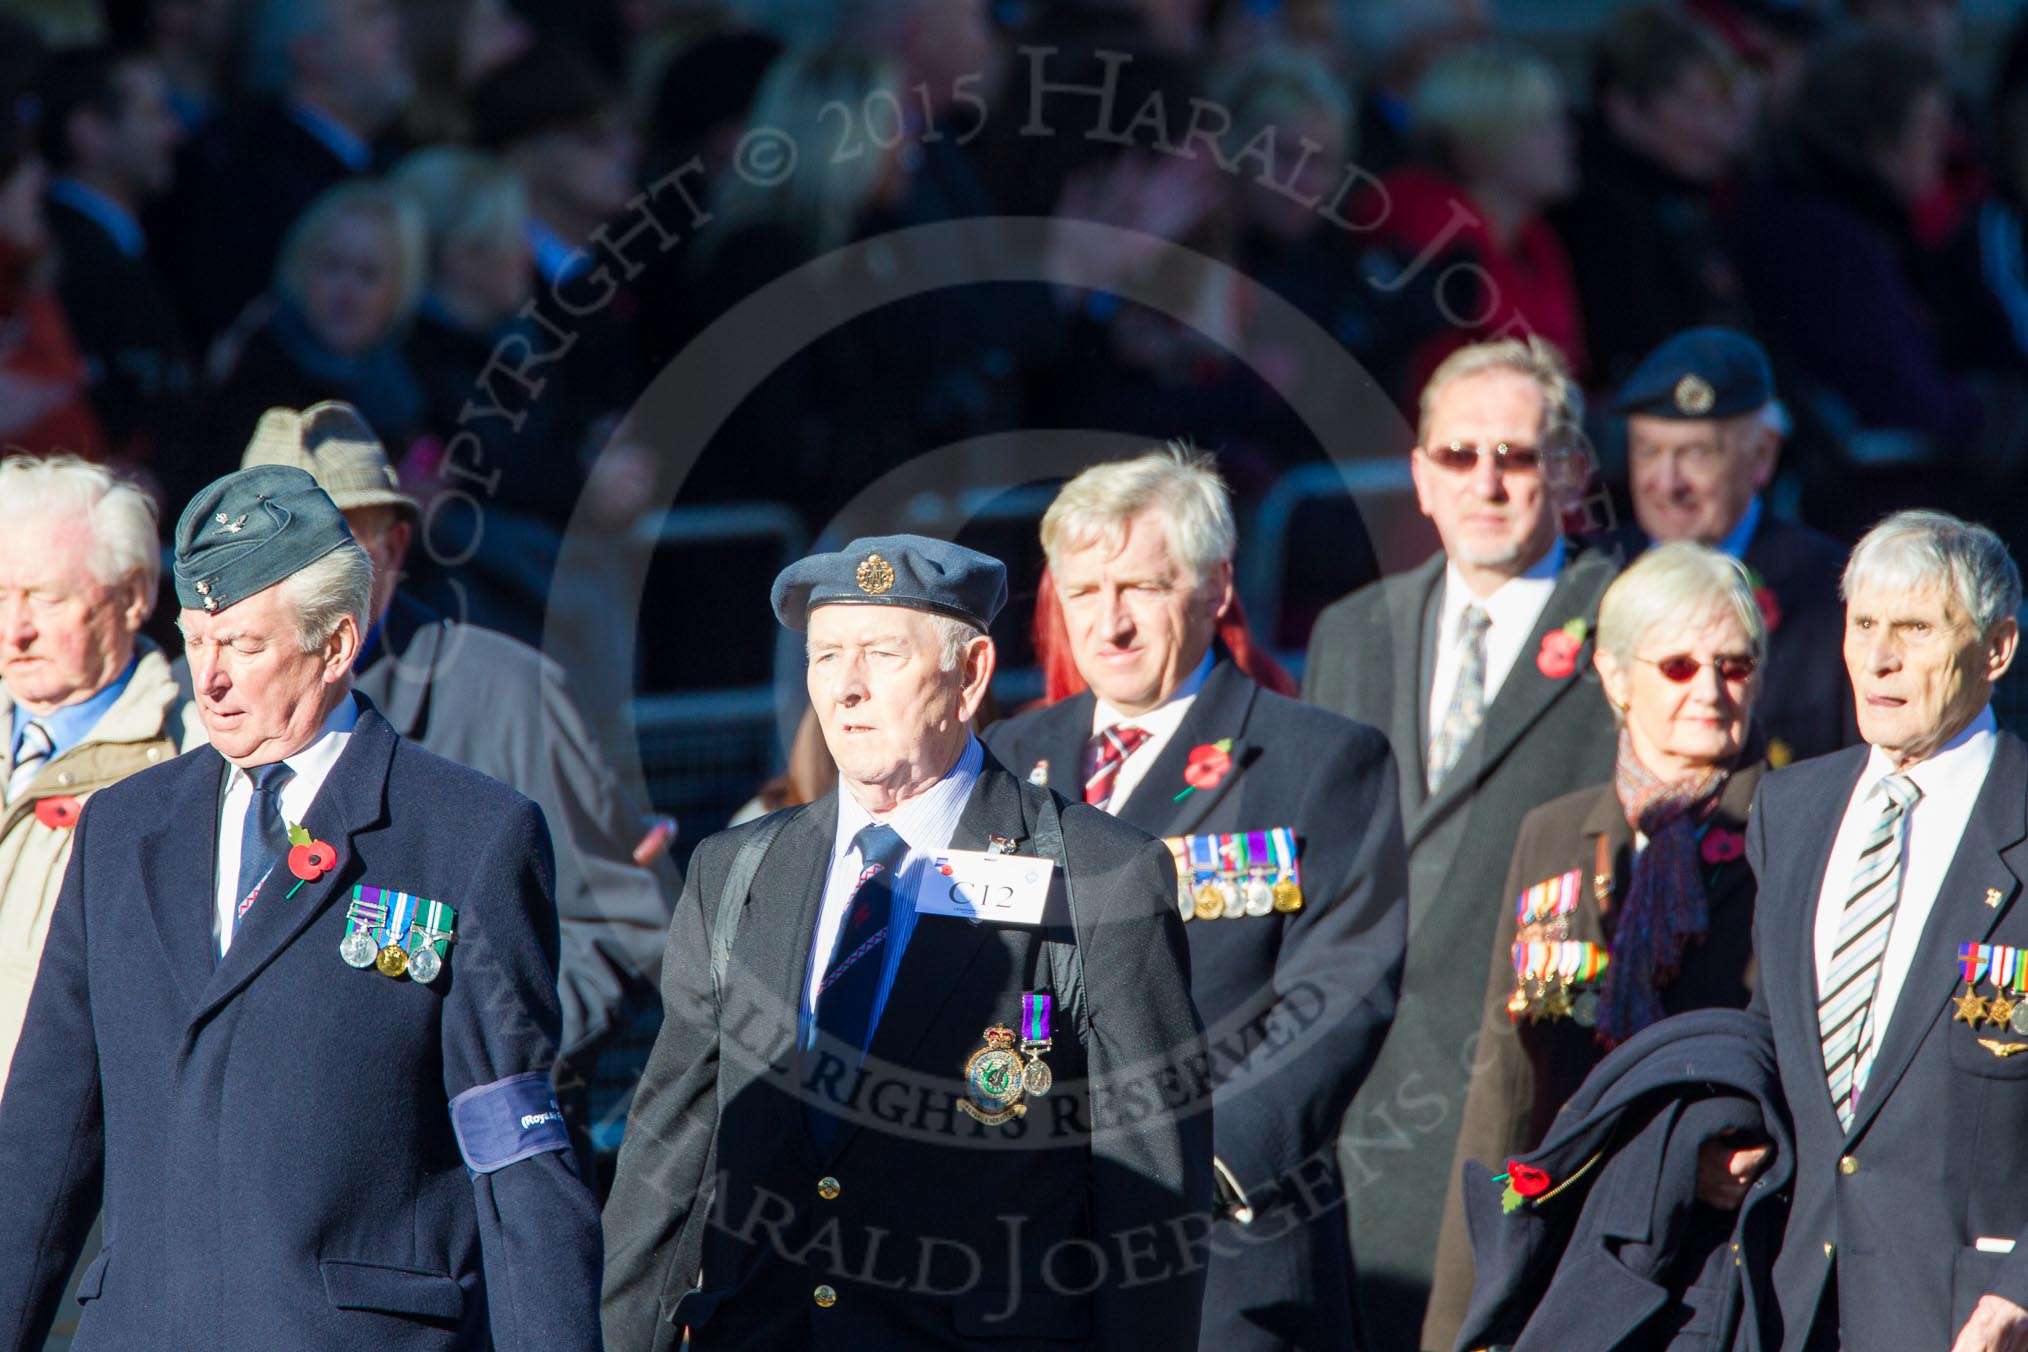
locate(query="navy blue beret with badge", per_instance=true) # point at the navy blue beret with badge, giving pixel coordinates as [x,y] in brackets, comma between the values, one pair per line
[1699,373]
[248,531]
[911,571]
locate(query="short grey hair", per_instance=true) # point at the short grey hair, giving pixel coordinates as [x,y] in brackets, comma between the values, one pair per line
[321,594]
[1180,480]
[1534,357]
[1917,550]
[1678,584]
[953,637]
[122,520]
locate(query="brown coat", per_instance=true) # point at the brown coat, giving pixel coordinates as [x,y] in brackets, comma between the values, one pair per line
[1522,1073]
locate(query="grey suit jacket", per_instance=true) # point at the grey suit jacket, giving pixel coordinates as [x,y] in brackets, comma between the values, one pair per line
[1371,658]
[1937,1149]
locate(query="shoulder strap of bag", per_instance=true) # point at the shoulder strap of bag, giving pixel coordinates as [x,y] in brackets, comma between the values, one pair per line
[732,897]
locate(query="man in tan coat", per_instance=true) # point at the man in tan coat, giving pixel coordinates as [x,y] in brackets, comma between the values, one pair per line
[84,701]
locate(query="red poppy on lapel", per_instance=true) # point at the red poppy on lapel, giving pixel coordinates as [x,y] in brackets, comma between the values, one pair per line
[59,813]
[313,860]
[1526,1179]
[1557,657]
[1721,846]
[1208,764]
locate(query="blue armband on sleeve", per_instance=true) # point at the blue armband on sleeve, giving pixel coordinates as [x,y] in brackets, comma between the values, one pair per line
[508,1121]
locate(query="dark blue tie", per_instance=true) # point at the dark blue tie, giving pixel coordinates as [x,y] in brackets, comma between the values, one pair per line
[263,839]
[851,979]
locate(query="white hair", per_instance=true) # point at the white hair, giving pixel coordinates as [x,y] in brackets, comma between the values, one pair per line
[1178,479]
[121,518]
[321,594]
[1918,550]
[372,200]
[1678,584]
[953,637]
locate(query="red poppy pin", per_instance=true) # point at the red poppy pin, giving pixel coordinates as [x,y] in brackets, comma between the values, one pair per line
[58,814]
[309,859]
[1560,647]
[1208,764]
[1721,846]
[1525,1183]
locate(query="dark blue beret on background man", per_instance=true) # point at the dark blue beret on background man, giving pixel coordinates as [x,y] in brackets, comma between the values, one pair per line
[295,1019]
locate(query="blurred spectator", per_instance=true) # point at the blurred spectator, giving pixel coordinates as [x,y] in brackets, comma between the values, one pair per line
[327,77]
[1823,235]
[1771,38]
[1936,27]
[475,214]
[455,44]
[43,407]
[1981,288]
[349,277]
[1395,41]
[187,39]
[1669,122]
[809,775]
[109,137]
[550,115]
[1464,228]
[702,99]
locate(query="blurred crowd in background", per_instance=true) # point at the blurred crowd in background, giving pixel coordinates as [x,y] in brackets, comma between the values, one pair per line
[492,224]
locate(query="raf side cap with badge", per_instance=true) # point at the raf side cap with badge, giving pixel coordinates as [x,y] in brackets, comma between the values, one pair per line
[1699,373]
[248,531]
[333,442]
[911,571]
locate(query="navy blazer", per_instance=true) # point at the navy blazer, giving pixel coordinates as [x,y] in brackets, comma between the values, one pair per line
[1080,1224]
[1936,1158]
[271,1133]
[1297,1005]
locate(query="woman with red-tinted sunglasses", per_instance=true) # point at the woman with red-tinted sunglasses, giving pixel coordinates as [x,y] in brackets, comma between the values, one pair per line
[1632,900]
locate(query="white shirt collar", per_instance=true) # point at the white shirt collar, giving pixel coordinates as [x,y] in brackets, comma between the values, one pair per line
[314,762]
[1518,599]
[1165,717]
[1945,770]
[929,819]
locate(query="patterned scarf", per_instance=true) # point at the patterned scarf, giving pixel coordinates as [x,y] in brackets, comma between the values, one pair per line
[1665,906]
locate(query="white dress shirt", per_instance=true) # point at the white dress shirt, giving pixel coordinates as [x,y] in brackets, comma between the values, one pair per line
[1950,782]
[312,766]
[926,823]
[1160,723]
[1512,611]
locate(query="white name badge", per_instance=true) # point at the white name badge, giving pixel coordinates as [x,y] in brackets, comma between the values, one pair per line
[1008,889]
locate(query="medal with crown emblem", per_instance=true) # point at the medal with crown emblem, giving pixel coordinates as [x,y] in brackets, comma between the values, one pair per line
[994,1080]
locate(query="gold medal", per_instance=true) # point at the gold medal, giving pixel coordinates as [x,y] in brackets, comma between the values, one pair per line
[2001,1010]
[1517,1004]
[392,960]
[1288,897]
[994,1079]
[1558,1006]
[1210,901]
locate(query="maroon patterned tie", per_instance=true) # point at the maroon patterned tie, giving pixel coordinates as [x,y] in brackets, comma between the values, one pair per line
[1115,744]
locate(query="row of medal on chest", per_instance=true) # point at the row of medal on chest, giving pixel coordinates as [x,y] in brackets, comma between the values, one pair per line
[1230,897]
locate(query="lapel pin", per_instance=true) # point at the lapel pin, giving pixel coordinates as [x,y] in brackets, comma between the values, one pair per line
[1992,896]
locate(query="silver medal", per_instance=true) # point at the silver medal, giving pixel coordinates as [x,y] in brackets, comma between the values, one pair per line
[424,964]
[1585,1010]
[1185,903]
[358,949]
[2018,1021]
[1235,899]
[1260,897]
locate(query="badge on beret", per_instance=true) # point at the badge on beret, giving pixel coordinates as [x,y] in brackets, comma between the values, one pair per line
[1694,395]
[875,575]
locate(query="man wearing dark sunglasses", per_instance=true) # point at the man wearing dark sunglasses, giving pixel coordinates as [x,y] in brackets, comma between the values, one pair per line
[1477,664]
[1704,430]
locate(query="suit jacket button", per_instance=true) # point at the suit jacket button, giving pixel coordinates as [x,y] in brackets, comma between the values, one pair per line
[1848,1165]
[825,1297]
[827,1188]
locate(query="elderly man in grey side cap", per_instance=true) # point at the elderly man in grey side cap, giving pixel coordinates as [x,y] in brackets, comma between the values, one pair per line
[296,1014]
[497,705]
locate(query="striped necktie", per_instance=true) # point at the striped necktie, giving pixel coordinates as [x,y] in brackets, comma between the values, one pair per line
[1845,1009]
[1115,744]
[1468,699]
[28,760]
